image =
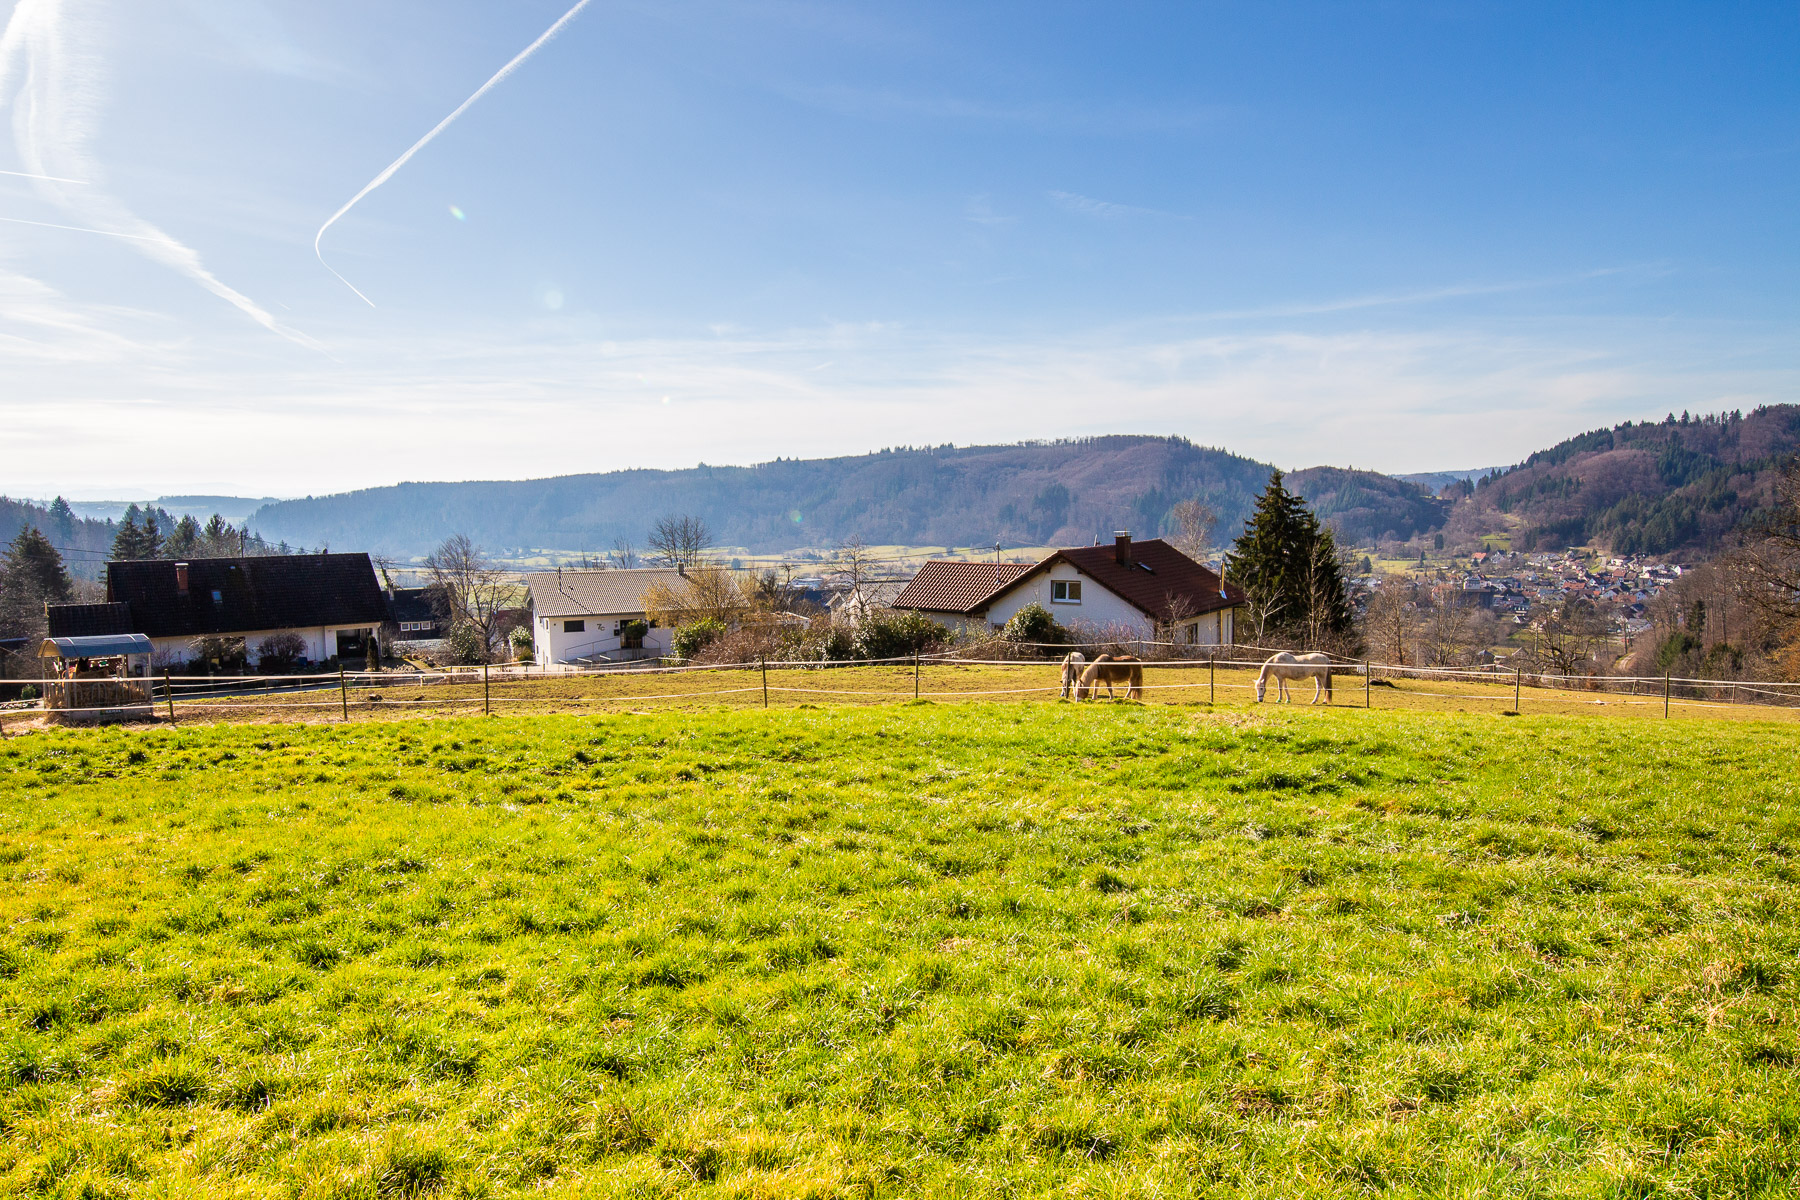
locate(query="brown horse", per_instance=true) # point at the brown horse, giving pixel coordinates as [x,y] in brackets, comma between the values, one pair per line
[1110,669]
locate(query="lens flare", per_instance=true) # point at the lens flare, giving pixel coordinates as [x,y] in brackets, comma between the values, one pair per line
[458,213]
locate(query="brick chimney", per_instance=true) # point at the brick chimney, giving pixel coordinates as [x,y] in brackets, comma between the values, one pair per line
[1122,547]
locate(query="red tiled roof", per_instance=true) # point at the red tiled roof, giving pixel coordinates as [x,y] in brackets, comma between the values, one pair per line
[1155,573]
[957,587]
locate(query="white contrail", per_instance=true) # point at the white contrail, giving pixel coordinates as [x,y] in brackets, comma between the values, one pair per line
[136,237]
[46,178]
[419,145]
[55,121]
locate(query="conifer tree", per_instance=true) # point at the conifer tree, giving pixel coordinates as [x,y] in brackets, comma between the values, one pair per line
[137,537]
[33,576]
[1287,563]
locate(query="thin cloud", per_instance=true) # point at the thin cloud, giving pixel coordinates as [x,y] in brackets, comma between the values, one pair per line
[56,121]
[1105,210]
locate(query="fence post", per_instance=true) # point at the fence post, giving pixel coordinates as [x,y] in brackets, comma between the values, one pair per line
[487,708]
[169,691]
[764,663]
[1518,680]
[1368,686]
[343,692]
[915,674]
[1212,679]
[1665,694]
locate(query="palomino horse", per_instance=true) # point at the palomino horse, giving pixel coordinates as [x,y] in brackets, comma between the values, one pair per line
[1284,666]
[1110,669]
[1071,673]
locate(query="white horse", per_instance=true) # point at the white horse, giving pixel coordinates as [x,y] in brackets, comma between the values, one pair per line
[1284,666]
[1071,673]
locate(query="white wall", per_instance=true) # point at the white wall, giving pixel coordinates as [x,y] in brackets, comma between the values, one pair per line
[321,642]
[552,643]
[1098,606]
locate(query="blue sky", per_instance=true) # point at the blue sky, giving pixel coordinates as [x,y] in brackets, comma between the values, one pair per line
[1404,236]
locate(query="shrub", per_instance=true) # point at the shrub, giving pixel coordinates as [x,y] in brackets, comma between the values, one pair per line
[893,633]
[690,639]
[28,693]
[280,653]
[1033,623]
[520,641]
[464,645]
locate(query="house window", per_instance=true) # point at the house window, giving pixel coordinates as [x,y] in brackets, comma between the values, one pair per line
[1065,591]
[218,598]
[574,626]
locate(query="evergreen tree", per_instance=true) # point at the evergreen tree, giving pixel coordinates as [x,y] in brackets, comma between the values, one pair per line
[184,540]
[1288,565]
[62,520]
[34,576]
[137,537]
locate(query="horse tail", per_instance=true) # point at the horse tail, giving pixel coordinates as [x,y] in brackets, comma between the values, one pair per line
[1136,690]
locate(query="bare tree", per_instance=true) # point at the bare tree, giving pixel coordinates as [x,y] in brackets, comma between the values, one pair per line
[624,554]
[1571,638]
[852,569]
[471,590]
[705,592]
[1177,611]
[680,540]
[1194,523]
[1771,568]
[1390,620]
[1444,637]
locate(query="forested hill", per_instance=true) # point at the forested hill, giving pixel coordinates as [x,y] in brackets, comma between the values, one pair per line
[1681,485]
[83,542]
[1066,493]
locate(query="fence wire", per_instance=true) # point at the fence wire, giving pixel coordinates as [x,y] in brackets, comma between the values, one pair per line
[1229,673]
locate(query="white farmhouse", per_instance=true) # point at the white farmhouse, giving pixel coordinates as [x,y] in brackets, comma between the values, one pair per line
[1140,589]
[330,602]
[596,616]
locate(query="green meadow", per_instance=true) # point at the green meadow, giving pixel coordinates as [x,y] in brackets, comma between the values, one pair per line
[967,950]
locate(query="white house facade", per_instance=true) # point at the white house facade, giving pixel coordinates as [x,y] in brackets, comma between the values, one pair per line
[1136,589]
[596,616]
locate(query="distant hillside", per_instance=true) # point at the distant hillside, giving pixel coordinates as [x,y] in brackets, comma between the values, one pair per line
[1067,492]
[1678,485]
[82,541]
[1436,481]
[1364,507]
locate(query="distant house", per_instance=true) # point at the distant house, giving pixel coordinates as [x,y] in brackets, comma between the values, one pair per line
[414,612]
[592,616]
[1148,588]
[331,602]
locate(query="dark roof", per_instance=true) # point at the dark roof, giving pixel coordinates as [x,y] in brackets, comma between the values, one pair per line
[413,604]
[1153,573]
[89,620]
[958,587]
[245,595]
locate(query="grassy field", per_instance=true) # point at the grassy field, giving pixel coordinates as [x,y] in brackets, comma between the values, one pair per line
[961,949]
